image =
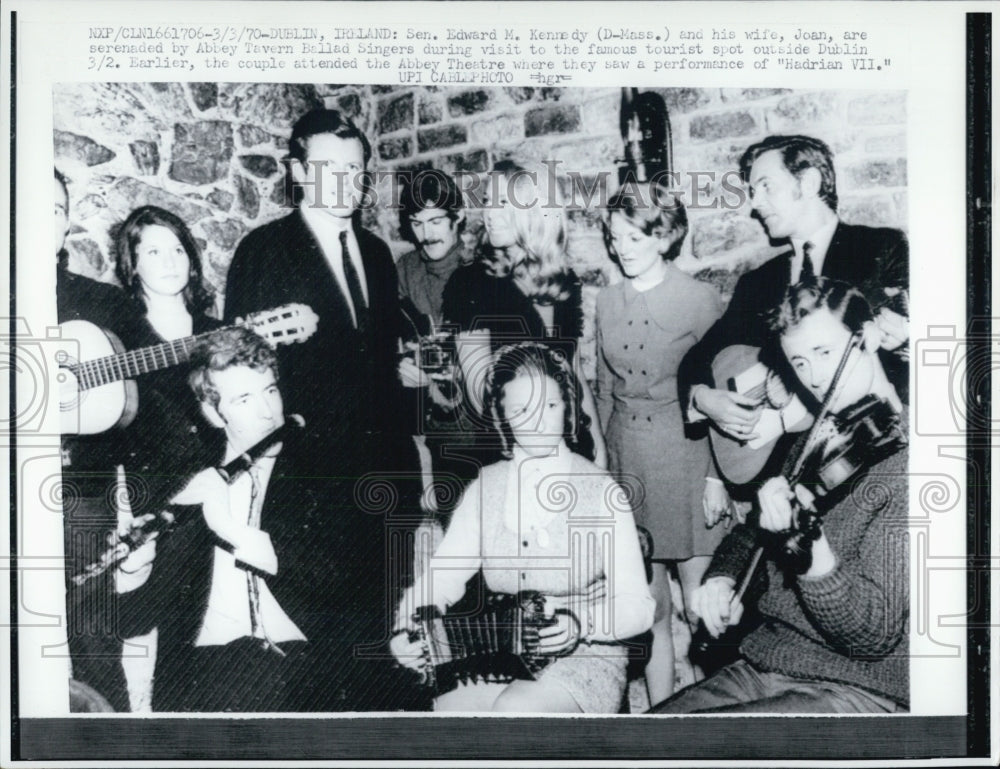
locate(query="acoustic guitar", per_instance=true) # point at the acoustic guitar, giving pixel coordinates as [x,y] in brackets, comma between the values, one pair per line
[740,368]
[96,387]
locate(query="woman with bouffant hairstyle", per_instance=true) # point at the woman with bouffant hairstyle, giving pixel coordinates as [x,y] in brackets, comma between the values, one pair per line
[645,325]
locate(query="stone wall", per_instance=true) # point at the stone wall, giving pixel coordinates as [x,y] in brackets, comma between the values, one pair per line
[212,154]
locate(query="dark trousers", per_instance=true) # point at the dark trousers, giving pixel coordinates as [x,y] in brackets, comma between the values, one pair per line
[92,627]
[238,677]
[742,688]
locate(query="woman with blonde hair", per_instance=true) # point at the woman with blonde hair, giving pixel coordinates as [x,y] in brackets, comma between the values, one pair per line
[522,287]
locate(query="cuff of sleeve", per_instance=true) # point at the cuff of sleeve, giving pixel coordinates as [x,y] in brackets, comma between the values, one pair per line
[823,586]
[693,415]
[716,480]
[254,548]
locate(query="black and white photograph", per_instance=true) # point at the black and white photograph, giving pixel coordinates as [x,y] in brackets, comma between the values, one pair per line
[590,405]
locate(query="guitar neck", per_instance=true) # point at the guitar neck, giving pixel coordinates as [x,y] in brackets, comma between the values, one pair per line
[128,365]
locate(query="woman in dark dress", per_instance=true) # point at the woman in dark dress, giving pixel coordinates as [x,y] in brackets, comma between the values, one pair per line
[159,265]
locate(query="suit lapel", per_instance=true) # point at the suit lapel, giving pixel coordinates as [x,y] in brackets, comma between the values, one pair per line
[317,276]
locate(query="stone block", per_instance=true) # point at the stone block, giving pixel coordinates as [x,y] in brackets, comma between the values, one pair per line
[204,95]
[350,105]
[468,103]
[201,152]
[722,125]
[591,153]
[221,199]
[902,210]
[714,233]
[496,129]
[878,173]
[225,234]
[793,112]
[261,166]
[395,114]
[724,281]
[873,210]
[87,254]
[438,137]
[129,193]
[474,161]
[393,149]
[146,156]
[601,116]
[589,191]
[247,197]
[740,95]
[561,119]
[281,193]
[251,135]
[878,109]
[520,95]
[82,149]
[889,144]
[679,100]
[429,109]
[268,104]
[90,206]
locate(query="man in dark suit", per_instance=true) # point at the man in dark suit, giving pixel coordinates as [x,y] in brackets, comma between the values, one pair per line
[793,192]
[343,380]
[256,607]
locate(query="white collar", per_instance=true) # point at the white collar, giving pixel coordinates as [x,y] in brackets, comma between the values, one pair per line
[820,239]
[323,224]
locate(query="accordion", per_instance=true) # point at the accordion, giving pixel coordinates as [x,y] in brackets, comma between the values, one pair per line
[496,644]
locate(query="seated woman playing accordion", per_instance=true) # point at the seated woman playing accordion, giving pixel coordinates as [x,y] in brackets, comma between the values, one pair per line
[546,524]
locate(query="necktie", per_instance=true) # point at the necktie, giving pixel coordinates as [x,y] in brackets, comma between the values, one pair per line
[257,628]
[807,275]
[354,286]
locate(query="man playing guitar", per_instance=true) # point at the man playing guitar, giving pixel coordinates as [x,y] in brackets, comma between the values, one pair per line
[834,635]
[793,193]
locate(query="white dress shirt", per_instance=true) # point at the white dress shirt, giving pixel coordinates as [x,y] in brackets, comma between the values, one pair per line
[820,240]
[227,617]
[327,231]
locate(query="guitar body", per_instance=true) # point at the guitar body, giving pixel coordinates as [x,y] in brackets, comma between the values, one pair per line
[96,377]
[737,368]
[95,409]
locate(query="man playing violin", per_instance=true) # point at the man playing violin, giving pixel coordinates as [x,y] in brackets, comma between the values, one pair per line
[835,622]
[793,193]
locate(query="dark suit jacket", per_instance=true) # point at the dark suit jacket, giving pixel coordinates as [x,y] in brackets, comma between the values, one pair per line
[871,258]
[343,382]
[329,582]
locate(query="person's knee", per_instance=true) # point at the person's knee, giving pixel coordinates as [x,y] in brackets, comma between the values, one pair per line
[516,698]
[535,697]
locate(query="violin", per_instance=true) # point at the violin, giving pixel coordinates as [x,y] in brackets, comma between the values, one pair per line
[860,436]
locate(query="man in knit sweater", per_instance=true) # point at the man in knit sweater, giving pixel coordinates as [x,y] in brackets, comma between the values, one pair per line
[835,624]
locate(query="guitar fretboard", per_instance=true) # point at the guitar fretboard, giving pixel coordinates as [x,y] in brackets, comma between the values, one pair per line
[128,365]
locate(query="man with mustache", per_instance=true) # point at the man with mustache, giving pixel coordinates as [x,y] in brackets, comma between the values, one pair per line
[432,217]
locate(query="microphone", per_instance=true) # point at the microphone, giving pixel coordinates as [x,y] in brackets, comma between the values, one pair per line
[231,471]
